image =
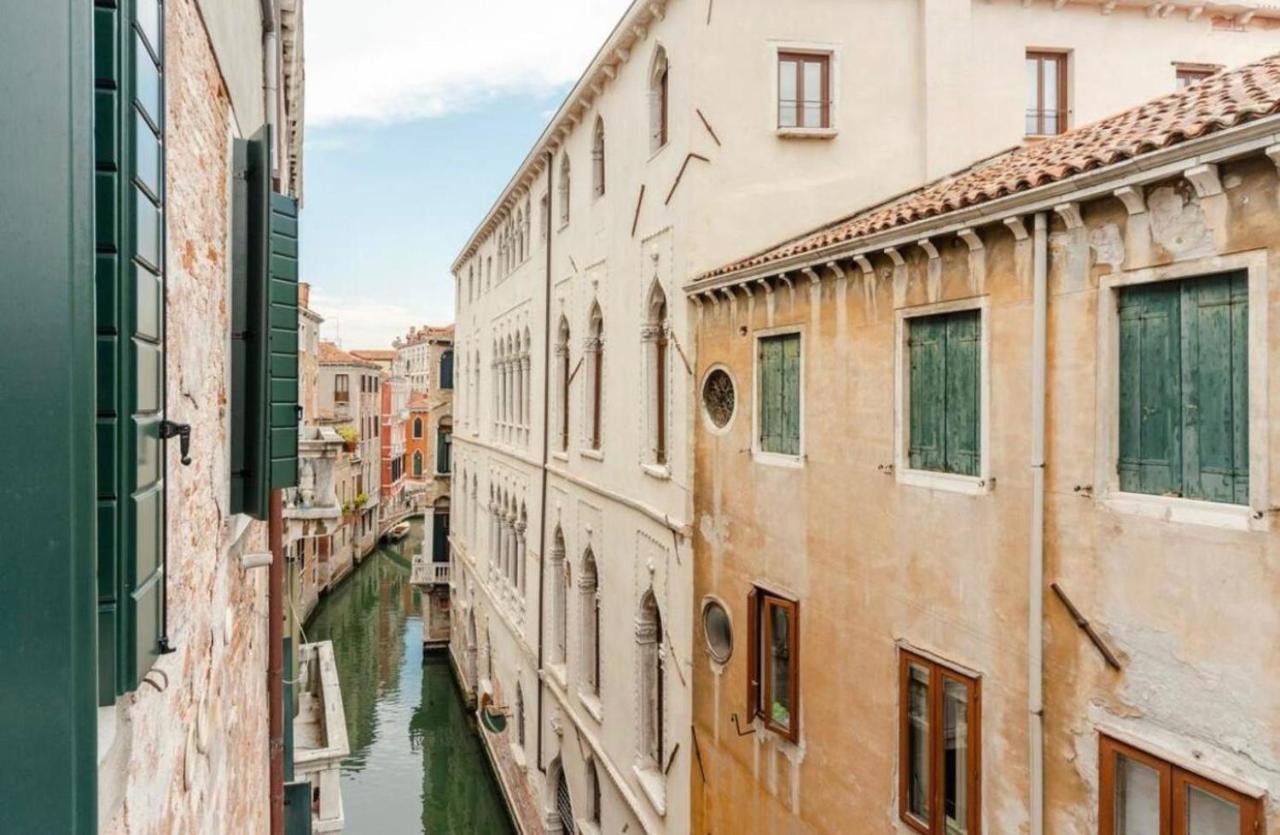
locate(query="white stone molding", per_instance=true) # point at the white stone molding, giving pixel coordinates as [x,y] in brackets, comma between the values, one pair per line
[1205,180]
[1070,214]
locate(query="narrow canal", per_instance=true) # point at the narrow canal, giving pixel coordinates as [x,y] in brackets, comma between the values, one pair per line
[416,764]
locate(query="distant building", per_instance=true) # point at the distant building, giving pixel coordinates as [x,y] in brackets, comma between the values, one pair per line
[349,395]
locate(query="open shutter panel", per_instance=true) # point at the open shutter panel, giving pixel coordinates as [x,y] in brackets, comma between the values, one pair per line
[1215,391]
[962,411]
[130,373]
[753,654]
[283,320]
[770,395]
[790,440]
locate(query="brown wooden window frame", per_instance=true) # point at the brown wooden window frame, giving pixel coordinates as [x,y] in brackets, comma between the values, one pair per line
[759,679]
[341,388]
[1174,780]
[1188,74]
[939,673]
[800,59]
[1042,56]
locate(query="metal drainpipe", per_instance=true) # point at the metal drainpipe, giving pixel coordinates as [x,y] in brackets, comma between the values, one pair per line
[1035,555]
[546,420]
[275,660]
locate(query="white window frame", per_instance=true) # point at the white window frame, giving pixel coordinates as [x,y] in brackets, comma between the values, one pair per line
[977,485]
[1251,517]
[829,49]
[759,455]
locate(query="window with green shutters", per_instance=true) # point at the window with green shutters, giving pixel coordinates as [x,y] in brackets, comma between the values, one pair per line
[129,193]
[779,409]
[264,331]
[1184,388]
[944,432]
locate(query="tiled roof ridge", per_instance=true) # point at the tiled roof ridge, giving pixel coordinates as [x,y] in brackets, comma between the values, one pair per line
[331,354]
[1223,101]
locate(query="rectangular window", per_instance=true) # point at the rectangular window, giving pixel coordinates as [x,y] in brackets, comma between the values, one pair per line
[944,390]
[774,662]
[1187,75]
[1142,793]
[804,90]
[1046,93]
[940,771]
[1184,388]
[779,410]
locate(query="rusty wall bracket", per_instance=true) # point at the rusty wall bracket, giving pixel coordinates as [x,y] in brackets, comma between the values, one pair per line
[737,726]
[1083,623]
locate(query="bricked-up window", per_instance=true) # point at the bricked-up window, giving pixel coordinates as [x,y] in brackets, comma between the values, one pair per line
[1046,93]
[659,100]
[1140,792]
[649,640]
[804,90]
[940,770]
[773,662]
[341,390]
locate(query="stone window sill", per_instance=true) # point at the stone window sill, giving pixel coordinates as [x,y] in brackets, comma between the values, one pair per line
[949,482]
[807,133]
[1187,511]
[659,471]
[592,705]
[651,783]
[561,456]
[593,454]
[778,459]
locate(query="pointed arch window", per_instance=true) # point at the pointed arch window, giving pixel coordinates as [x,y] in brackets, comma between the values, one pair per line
[657,339]
[564,804]
[595,364]
[520,716]
[564,373]
[417,463]
[589,609]
[564,190]
[559,603]
[593,780]
[417,427]
[659,104]
[652,684]
[597,158]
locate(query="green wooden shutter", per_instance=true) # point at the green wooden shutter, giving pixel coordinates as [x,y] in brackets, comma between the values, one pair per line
[283,321]
[1215,388]
[926,346]
[963,411]
[780,394]
[129,278]
[264,312]
[1150,396]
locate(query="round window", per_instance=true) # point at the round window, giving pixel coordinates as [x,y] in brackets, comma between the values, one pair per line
[718,630]
[718,397]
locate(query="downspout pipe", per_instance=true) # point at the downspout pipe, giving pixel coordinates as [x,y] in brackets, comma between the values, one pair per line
[1035,553]
[546,436]
[275,660]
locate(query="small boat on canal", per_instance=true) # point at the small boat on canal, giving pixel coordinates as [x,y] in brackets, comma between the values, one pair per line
[398,532]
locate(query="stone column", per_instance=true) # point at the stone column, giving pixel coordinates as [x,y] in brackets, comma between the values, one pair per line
[520,557]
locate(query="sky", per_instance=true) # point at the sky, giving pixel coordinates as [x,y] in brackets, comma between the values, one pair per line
[417,114]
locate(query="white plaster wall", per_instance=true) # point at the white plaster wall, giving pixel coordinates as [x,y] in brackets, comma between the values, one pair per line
[235,30]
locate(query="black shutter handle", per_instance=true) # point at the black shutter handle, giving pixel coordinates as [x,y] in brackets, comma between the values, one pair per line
[181,431]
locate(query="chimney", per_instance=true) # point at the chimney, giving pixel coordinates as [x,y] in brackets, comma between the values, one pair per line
[304,295]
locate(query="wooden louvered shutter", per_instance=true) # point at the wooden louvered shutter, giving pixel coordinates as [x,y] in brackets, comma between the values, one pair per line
[282,298]
[1215,388]
[790,430]
[753,653]
[770,395]
[1150,393]
[962,412]
[129,277]
[926,346]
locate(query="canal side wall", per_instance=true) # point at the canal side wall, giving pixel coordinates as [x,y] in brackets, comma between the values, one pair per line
[187,751]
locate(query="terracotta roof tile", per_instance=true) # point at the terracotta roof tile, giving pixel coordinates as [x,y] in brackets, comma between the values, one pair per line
[1217,103]
[331,354]
[375,356]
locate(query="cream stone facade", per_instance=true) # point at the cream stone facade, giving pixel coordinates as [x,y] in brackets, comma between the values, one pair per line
[574,454]
[349,402]
[1088,615]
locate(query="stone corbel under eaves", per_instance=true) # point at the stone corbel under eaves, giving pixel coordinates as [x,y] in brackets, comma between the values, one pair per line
[1205,180]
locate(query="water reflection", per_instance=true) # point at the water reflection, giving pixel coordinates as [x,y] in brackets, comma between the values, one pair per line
[415,763]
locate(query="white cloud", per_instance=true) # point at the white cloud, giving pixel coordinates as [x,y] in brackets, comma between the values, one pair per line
[360,323]
[394,60]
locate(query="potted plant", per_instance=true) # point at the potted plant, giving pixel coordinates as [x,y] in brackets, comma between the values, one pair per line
[349,438]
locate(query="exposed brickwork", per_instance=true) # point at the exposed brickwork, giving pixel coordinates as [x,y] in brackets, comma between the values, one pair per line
[194,751]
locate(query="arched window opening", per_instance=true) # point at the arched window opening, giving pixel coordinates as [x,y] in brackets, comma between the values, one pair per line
[659,105]
[446,369]
[564,804]
[444,446]
[562,362]
[656,337]
[417,463]
[559,603]
[593,779]
[522,525]
[652,685]
[440,531]
[417,427]
[564,189]
[589,608]
[595,358]
[519,234]
[519,716]
[597,158]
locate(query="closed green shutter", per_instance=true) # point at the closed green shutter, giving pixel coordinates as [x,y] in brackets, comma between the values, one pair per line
[944,428]
[780,394]
[446,370]
[264,315]
[1184,398]
[129,279]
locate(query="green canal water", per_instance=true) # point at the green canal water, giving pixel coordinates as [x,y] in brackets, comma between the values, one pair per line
[416,764]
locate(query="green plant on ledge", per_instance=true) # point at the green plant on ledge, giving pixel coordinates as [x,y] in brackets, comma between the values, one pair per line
[348,434]
[348,507]
[362,499]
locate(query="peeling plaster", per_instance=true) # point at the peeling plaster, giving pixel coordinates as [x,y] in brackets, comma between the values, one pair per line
[1178,224]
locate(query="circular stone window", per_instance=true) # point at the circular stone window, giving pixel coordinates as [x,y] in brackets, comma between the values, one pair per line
[718,397]
[718,631]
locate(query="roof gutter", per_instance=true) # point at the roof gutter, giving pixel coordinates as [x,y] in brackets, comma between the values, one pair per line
[1231,143]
